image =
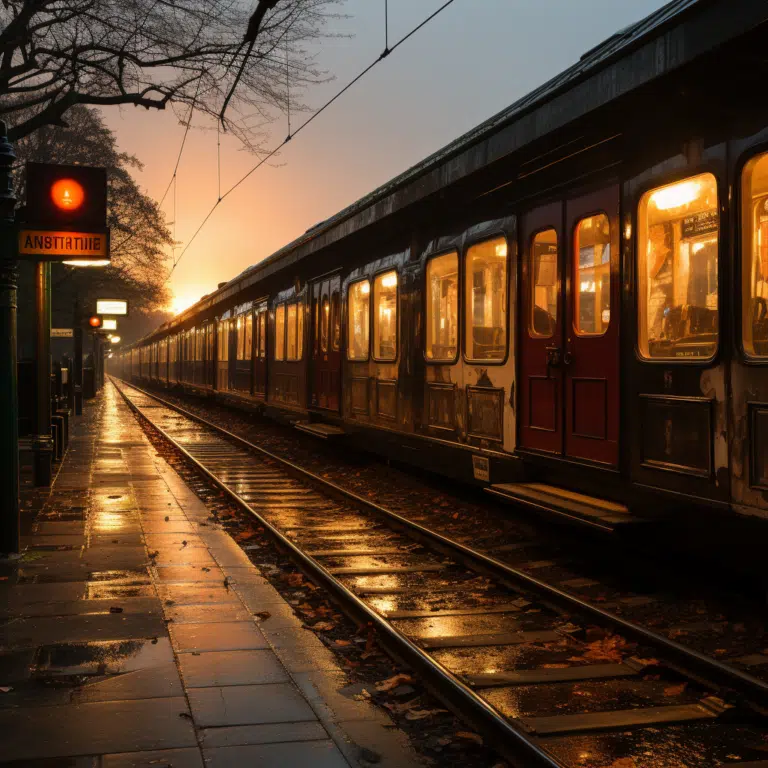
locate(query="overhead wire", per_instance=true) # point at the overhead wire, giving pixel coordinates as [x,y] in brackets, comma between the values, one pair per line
[312,117]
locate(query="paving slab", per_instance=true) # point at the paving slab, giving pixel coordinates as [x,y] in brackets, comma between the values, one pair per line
[128,631]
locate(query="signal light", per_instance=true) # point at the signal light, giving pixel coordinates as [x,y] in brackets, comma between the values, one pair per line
[66,198]
[95,321]
[67,194]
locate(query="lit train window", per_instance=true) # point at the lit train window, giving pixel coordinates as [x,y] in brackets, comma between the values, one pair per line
[280,333]
[248,343]
[335,321]
[325,322]
[592,276]
[385,316]
[223,340]
[544,284]
[262,335]
[486,300]
[295,332]
[754,245]
[359,320]
[678,228]
[442,309]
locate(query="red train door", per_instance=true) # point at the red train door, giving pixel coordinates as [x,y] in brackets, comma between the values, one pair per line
[541,331]
[591,349]
[569,329]
[325,369]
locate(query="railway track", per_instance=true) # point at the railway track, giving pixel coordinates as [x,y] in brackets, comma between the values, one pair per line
[547,678]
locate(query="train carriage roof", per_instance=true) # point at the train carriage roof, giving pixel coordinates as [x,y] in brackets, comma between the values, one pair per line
[664,41]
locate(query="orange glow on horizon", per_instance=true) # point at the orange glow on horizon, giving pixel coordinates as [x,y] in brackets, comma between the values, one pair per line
[182,302]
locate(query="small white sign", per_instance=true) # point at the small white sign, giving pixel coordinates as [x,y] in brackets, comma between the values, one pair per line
[109,324]
[111,307]
[481,468]
[61,333]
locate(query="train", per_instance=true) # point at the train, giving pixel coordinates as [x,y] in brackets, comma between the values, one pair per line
[567,306]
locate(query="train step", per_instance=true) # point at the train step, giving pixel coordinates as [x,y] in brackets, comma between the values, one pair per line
[319,429]
[576,507]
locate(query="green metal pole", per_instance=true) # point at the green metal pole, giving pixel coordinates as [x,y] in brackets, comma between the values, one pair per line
[42,443]
[9,405]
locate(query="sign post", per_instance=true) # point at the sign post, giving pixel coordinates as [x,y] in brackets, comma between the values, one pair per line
[9,406]
[64,220]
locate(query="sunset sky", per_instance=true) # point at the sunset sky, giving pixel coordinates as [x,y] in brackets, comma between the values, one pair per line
[474,59]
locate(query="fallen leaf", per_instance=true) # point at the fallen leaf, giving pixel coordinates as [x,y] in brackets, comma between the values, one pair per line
[6,688]
[115,609]
[469,736]
[393,682]
[420,714]
[555,666]
[675,690]
[323,626]
[294,579]
[263,615]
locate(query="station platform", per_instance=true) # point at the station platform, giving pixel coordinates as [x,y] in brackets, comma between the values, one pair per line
[128,634]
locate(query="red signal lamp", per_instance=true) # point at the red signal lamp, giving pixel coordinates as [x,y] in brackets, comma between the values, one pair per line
[95,321]
[67,194]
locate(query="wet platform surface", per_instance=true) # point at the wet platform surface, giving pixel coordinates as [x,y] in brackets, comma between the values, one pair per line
[128,635]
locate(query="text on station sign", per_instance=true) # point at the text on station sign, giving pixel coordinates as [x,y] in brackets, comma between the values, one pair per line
[40,243]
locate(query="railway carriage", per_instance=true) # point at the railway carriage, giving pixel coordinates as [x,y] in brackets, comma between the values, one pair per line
[568,305]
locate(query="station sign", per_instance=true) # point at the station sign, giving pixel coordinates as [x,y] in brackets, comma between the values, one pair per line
[65,216]
[111,307]
[62,333]
[109,324]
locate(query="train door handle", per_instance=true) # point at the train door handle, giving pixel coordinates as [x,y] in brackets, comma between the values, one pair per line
[567,358]
[554,358]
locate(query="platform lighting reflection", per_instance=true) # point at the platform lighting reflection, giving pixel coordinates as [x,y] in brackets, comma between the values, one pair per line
[86,263]
[676,195]
[114,339]
[365,287]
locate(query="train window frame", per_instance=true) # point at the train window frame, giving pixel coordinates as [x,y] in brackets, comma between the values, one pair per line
[372,316]
[574,295]
[299,330]
[528,256]
[459,306]
[658,183]
[279,351]
[464,307]
[350,325]
[744,262]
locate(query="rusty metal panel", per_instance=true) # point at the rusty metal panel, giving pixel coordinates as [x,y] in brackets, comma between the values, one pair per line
[386,398]
[485,410]
[441,405]
[677,434]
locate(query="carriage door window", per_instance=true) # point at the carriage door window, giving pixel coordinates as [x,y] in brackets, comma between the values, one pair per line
[385,316]
[678,227]
[486,300]
[248,344]
[592,276]
[263,335]
[443,307]
[280,333]
[754,228]
[359,320]
[335,319]
[544,284]
[325,318]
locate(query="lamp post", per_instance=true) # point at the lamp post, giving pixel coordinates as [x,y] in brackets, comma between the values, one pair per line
[9,406]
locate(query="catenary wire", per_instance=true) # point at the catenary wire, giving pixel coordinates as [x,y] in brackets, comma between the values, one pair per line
[314,115]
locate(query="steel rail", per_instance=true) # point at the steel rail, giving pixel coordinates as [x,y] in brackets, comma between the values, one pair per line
[515,745]
[711,670]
